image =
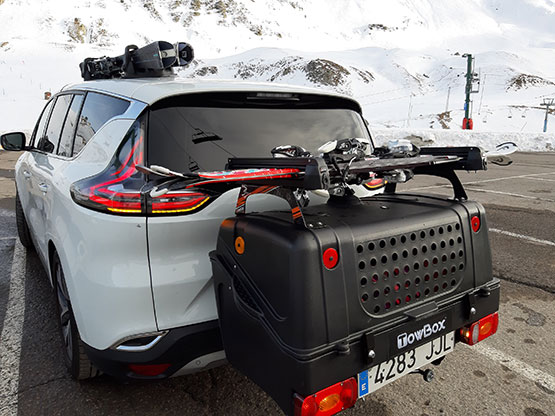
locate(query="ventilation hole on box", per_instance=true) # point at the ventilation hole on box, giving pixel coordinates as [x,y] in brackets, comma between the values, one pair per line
[416,266]
[360,249]
[453,269]
[375,278]
[442,244]
[394,256]
[444,272]
[417,295]
[436,288]
[440,230]
[422,234]
[396,271]
[461,253]
[444,285]
[384,259]
[424,249]
[451,242]
[459,239]
[426,263]
[403,239]
[453,282]
[362,265]
[386,290]
[457,226]
[413,236]
[406,269]
[405,254]
[385,274]
[371,246]
[449,228]
[376,309]
[396,287]
[444,258]
[407,298]
[453,255]
[387,305]
[426,292]
[414,251]
[382,243]
[363,281]
[427,277]
[435,260]
[376,293]
[397,301]
[407,284]
[393,241]
[433,246]
[461,266]
[373,262]
[364,297]
[432,232]
[436,274]
[417,281]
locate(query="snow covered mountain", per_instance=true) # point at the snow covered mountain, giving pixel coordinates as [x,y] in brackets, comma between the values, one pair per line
[402,59]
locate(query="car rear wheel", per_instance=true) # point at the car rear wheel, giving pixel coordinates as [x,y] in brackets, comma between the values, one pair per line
[22,226]
[76,360]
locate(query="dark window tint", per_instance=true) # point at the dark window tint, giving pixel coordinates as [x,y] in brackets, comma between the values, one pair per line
[49,141]
[203,138]
[97,110]
[41,125]
[70,125]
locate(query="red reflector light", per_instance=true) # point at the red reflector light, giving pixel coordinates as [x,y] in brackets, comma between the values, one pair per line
[149,370]
[329,401]
[475,223]
[330,258]
[480,330]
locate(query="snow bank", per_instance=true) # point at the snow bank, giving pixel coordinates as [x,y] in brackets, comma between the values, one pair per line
[527,142]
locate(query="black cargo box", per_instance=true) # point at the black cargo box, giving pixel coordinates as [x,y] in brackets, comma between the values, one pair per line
[293,325]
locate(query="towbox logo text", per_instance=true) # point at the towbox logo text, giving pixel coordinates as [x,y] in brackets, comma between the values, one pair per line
[405,339]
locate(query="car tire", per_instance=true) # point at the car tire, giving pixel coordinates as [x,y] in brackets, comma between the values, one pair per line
[22,226]
[75,358]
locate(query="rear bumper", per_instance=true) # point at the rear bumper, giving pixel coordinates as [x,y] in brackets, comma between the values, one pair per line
[179,347]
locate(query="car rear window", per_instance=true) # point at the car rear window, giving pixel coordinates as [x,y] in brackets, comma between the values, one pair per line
[97,110]
[189,138]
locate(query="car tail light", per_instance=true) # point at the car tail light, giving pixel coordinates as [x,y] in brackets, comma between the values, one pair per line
[480,330]
[148,370]
[328,401]
[117,189]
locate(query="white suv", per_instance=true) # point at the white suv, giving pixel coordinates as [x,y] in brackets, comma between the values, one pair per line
[131,271]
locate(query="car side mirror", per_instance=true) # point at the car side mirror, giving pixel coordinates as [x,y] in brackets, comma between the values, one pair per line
[13,141]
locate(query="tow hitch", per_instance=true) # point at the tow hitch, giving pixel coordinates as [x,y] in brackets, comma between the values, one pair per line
[428,375]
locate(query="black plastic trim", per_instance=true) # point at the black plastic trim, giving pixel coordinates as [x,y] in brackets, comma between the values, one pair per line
[178,347]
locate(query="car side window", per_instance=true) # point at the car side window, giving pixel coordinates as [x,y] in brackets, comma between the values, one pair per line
[49,140]
[97,110]
[70,126]
[39,129]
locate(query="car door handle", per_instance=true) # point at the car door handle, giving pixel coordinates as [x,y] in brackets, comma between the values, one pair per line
[27,174]
[43,187]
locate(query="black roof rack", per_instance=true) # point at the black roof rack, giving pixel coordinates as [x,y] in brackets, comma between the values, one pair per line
[153,60]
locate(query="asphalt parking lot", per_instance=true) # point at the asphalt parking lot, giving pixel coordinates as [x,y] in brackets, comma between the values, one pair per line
[512,373]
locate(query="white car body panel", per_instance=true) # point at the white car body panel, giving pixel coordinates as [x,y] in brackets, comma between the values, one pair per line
[154,89]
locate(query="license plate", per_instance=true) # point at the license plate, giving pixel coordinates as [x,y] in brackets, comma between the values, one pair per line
[384,373]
